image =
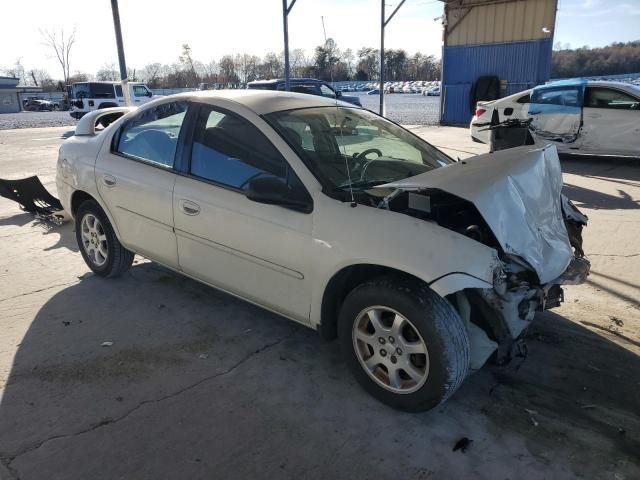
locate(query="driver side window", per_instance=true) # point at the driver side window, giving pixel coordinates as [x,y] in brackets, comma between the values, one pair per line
[152,136]
[229,150]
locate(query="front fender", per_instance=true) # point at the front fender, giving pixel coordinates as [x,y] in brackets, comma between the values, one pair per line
[343,236]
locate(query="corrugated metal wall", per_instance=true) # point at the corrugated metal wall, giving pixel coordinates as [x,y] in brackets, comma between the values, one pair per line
[499,22]
[511,39]
[519,65]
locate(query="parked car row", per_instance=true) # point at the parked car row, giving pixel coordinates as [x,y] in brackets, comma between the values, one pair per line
[578,116]
[418,86]
[309,86]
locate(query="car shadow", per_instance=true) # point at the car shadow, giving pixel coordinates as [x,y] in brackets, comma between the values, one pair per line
[65,231]
[625,169]
[153,372]
[588,198]
[622,172]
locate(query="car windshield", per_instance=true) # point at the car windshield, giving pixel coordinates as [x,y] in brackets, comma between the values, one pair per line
[347,147]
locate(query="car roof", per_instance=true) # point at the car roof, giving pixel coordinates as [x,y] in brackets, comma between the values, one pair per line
[264,101]
[108,82]
[282,80]
[577,82]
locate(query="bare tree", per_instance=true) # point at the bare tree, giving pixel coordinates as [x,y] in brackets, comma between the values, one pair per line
[151,74]
[108,72]
[62,48]
[188,65]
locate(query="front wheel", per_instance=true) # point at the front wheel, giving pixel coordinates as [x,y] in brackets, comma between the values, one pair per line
[98,243]
[406,345]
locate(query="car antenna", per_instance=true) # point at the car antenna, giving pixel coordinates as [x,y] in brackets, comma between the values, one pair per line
[344,152]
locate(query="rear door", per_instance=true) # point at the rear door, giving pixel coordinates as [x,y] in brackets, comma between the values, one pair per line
[611,122]
[135,176]
[556,112]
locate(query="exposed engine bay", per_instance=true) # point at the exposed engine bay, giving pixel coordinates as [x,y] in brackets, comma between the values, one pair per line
[497,317]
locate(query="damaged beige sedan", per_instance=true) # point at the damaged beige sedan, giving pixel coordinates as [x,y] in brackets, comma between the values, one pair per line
[334,217]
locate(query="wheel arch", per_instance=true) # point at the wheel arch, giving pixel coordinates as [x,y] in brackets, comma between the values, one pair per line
[78,197]
[349,277]
[343,282]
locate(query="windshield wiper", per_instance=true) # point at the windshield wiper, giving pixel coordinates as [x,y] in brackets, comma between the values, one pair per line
[363,184]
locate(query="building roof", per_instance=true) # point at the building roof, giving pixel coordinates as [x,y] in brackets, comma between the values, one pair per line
[9,82]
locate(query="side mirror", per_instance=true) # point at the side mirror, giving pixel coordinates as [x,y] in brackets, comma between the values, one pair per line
[149,93]
[338,93]
[275,191]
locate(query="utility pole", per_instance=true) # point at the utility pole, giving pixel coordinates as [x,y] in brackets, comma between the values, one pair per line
[123,66]
[383,24]
[286,9]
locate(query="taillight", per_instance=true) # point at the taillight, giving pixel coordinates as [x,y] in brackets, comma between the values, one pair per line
[480,111]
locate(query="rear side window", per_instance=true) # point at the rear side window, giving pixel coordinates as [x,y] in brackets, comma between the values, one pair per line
[101,90]
[119,90]
[229,150]
[566,96]
[598,97]
[152,136]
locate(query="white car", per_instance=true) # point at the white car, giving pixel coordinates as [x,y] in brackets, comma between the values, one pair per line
[336,218]
[492,112]
[579,117]
[86,97]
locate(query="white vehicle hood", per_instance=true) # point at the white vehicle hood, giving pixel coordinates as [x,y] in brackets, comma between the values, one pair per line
[518,192]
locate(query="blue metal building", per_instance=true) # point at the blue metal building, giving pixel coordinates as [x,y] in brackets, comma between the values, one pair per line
[509,39]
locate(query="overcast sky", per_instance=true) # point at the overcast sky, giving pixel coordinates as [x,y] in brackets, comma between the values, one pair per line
[155,31]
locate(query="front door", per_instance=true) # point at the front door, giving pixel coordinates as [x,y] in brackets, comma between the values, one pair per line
[254,250]
[611,122]
[135,177]
[556,113]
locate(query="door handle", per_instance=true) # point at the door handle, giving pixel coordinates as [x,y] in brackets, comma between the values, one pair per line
[109,180]
[535,112]
[190,208]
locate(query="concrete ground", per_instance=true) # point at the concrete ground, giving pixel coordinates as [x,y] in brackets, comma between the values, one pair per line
[198,384]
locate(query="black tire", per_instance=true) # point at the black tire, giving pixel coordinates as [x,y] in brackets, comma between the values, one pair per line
[118,259]
[435,320]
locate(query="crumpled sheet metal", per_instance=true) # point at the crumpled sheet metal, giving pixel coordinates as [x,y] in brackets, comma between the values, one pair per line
[518,192]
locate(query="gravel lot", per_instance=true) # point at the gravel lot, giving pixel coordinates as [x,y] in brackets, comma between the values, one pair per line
[407,109]
[10,121]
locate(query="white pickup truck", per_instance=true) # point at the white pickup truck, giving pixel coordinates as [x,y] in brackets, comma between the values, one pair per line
[85,97]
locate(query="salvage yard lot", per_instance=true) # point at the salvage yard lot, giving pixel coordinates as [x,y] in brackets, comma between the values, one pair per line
[198,384]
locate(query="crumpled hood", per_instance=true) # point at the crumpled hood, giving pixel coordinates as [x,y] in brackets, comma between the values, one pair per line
[518,192]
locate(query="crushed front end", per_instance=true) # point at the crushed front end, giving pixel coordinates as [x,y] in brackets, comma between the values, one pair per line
[511,201]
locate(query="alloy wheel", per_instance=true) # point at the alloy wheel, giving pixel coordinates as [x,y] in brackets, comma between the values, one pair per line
[94,240]
[390,349]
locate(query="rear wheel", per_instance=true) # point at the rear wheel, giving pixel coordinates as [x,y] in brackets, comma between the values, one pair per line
[98,243]
[405,344]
